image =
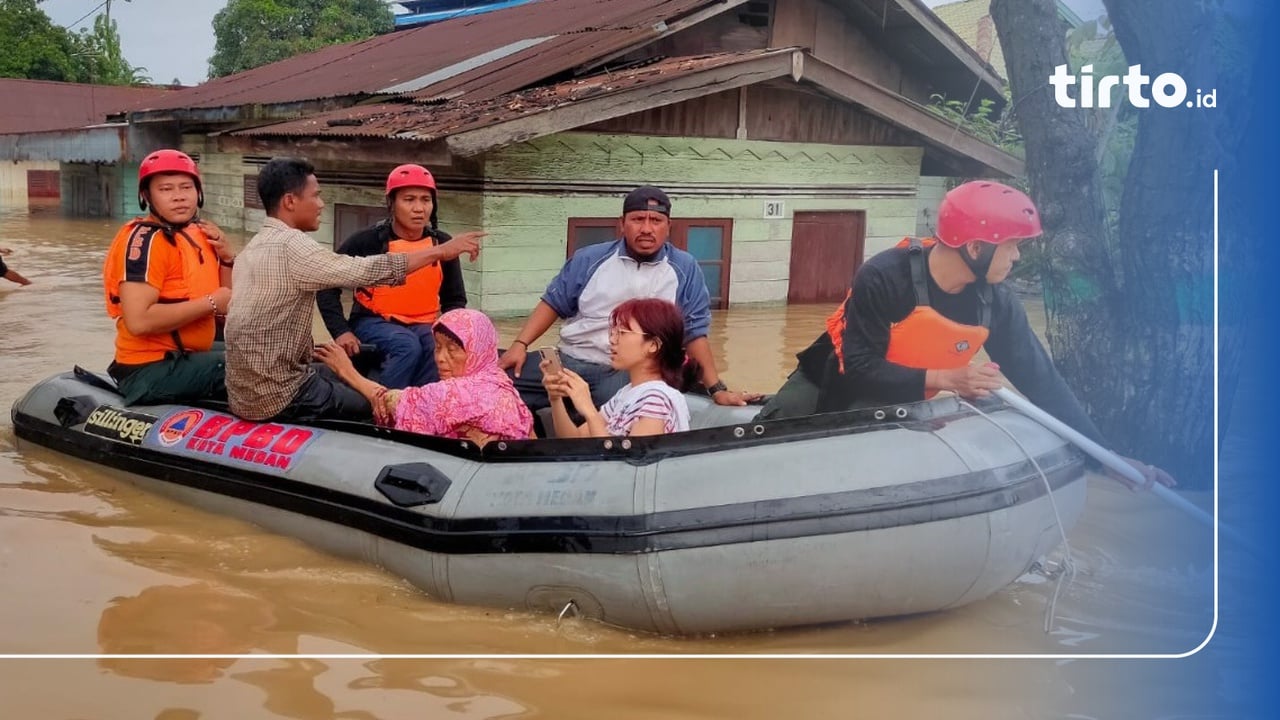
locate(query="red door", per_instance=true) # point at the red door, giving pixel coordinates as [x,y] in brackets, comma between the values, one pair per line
[826,249]
[44,184]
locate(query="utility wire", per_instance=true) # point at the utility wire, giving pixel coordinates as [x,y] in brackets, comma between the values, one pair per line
[82,17]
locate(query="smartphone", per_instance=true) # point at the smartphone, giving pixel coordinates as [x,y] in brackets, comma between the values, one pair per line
[552,356]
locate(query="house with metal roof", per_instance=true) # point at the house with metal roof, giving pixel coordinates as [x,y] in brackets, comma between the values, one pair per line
[790,134]
[40,123]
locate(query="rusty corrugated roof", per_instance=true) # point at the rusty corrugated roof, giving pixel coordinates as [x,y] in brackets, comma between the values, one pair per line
[425,122]
[492,54]
[40,105]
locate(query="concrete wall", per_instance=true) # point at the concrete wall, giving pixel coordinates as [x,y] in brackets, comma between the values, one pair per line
[222,175]
[13,180]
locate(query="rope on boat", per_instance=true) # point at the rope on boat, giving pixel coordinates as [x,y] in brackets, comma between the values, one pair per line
[1068,563]
[570,610]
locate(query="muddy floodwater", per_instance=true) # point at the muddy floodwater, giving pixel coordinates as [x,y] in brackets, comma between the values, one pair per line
[89,563]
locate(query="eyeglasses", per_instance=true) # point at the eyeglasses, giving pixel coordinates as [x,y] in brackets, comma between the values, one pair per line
[615,331]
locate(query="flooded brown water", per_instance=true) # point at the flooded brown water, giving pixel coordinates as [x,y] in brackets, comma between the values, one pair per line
[91,564]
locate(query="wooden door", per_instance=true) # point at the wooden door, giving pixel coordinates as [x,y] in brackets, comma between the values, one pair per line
[826,249]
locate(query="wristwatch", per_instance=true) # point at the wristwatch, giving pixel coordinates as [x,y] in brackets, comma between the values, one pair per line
[718,387]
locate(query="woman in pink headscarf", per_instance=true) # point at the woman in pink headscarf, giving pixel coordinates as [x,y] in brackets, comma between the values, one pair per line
[473,399]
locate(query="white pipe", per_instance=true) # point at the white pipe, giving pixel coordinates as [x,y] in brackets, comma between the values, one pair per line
[1113,461]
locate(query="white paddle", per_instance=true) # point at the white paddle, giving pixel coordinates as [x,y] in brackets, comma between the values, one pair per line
[1113,461]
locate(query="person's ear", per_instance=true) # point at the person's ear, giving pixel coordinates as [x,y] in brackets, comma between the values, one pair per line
[974,249]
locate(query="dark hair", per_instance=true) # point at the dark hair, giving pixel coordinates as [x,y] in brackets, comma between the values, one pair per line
[281,176]
[662,321]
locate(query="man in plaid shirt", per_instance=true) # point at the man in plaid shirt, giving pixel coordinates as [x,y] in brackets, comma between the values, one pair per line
[276,277]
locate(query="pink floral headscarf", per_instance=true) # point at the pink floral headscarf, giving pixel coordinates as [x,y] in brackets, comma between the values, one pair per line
[483,399]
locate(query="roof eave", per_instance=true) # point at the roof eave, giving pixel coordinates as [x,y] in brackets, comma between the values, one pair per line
[891,107]
[954,44]
[574,114]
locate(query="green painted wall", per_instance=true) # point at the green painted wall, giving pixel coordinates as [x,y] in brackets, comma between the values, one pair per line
[535,187]
[127,174]
[705,178]
[100,189]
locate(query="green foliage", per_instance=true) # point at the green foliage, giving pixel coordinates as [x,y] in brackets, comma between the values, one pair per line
[33,47]
[36,49]
[980,123]
[99,59]
[251,33]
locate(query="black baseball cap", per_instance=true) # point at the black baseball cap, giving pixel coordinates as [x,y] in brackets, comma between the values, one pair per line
[647,197]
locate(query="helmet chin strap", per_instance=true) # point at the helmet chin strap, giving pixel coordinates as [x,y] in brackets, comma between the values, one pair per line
[979,267]
[169,224]
[982,264]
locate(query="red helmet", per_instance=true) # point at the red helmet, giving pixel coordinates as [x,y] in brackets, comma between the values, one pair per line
[410,176]
[986,211]
[168,161]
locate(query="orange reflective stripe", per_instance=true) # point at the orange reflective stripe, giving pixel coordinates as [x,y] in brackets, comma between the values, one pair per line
[415,302]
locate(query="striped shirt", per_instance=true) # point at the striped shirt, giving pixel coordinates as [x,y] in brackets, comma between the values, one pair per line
[652,399]
[274,286]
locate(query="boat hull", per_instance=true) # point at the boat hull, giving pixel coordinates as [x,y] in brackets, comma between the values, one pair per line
[726,528]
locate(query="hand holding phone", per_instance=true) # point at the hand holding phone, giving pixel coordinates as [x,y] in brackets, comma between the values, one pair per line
[552,356]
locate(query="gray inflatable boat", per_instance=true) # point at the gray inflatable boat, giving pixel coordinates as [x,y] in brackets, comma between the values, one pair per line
[731,526]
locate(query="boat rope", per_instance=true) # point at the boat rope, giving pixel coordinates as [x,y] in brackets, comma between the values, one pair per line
[570,609]
[1068,573]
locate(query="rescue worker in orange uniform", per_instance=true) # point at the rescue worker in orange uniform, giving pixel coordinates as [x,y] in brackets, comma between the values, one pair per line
[917,314]
[166,278]
[398,319]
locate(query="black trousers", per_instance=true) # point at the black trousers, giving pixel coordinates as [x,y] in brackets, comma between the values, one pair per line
[324,396]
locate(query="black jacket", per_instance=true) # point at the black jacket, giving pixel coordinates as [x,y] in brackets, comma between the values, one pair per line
[883,294]
[374,240]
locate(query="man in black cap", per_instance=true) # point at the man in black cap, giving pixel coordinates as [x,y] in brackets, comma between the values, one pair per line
[598,278]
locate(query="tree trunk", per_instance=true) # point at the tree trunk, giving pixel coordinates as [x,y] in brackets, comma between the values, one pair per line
[1079,281]
[1135,340]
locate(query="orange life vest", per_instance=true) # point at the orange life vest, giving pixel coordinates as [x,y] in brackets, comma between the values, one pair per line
[181,265]
[925,339]
[417,301]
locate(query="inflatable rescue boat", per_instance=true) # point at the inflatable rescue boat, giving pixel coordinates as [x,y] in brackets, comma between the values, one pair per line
[732,526]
